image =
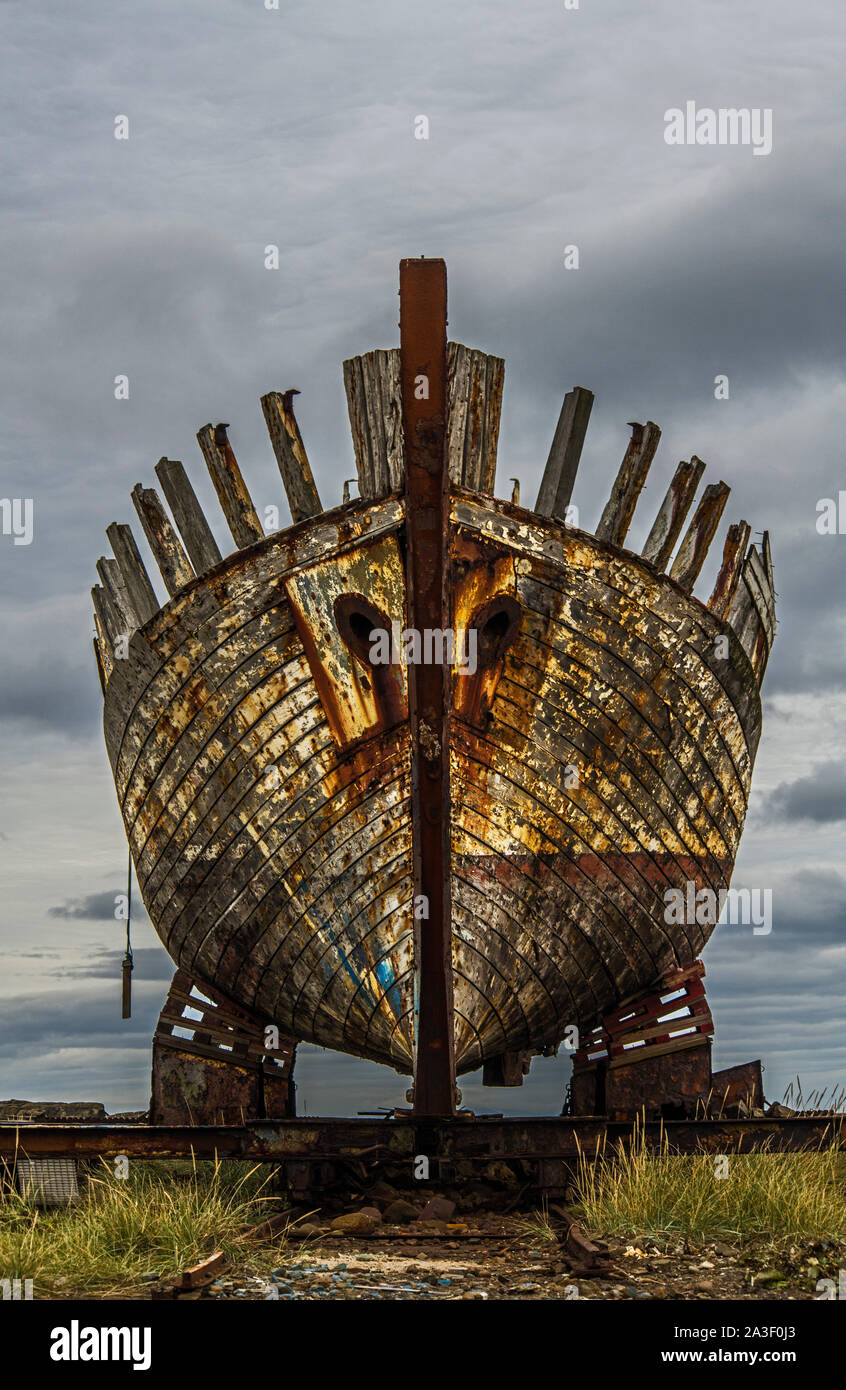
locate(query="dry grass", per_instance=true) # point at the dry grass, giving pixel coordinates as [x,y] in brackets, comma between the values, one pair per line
[778,1196]
[155,1220]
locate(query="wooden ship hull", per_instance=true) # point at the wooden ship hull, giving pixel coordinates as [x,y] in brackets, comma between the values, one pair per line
[294,807]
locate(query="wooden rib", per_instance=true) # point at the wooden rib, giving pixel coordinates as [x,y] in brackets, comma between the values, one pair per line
[136,580]
[493,411]
[474,393]
[359,429]
[559,475]
[101,656]
[303,498]
[374,402]
[104,653]
[768,562]
[699,535]
[619,509]
[734,551]
[758,583]
[202,548]
[108,618]
[162,539]
[390,386]
[229,485]
[458,390]
[666,528]
[112,581]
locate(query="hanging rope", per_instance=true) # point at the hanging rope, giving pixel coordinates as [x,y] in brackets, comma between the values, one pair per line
[126,968]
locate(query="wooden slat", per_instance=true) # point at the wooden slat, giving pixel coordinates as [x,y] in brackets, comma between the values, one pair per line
[743,616]
[458,391]
[303,498]
[619,509]
[699,535]
[493,412]
[734,550]
[99,655]
[759,587]
[105,656]
[202,548]
[666,528]
[136,580]
[107,613]
[474,395]
[229,485]
[392,412]
[375,422]
[112,581]
[359,428]
[559,476]
[162,539]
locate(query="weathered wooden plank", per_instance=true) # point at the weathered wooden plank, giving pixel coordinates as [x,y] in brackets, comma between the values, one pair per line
[359,428]
[202,548]
[229,485]
[694,548]
[112,581]
[666,528]
[391,394]
[173,563]
[619,509]
[375,422]
[559,475]
[302,494]
[103,652]
[493,410]
[136,580]
[458,396]
[758,582]
[474,396]
[734,551]
[108,615]
[101,656]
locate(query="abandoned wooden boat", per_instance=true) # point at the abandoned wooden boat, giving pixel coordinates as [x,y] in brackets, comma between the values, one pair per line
[466,858]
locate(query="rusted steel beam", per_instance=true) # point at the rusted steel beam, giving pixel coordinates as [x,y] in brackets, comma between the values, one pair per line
[136,580]
[666,528]
[175,567]
[694,548]
[300,488]
[559,476]
[468,1138]
[619,509]
[229,485]
[734,551]
[202,548]
[423,370]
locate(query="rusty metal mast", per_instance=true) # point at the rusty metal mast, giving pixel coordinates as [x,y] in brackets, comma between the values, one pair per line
[423,368]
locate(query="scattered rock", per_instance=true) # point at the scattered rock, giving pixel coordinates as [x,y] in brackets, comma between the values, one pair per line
[437,1209]
[355,1223]
[400,1212]
[373,1212]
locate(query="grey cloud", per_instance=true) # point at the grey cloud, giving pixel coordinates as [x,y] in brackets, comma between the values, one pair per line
[819,797]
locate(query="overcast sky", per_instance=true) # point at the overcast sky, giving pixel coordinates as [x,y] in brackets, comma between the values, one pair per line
[251,127]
